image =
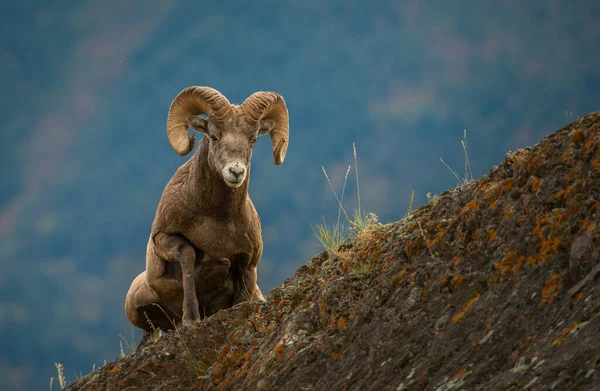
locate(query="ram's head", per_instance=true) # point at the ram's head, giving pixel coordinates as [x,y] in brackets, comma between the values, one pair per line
[231,130]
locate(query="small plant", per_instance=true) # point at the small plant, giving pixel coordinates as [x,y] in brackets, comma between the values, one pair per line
[121,351]
[62,380]
[363,223]
[156,332]
[468,176]
[433,199]
[130,345]
[331,238]
[410,203]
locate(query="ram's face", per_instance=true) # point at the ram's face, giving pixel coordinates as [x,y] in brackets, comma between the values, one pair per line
[230,145]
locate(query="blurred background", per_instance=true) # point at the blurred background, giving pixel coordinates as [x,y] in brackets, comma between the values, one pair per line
[86,87]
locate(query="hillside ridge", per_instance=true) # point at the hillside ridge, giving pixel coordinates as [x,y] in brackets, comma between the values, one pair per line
[492,285]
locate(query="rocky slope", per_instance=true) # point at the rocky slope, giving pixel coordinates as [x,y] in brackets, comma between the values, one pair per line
[491,286]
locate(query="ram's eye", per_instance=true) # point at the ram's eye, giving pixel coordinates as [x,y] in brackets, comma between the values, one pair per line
[253,140]
[213,137]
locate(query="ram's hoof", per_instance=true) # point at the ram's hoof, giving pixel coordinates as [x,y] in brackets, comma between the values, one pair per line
[190,322]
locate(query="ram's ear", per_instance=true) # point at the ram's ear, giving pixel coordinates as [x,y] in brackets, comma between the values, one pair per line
[197,123]
[266,125]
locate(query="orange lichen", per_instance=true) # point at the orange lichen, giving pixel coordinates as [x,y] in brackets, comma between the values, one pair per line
[564,334]
[533,163]
[457,261]
[549,246]
[457,281]
[279,352]
[535,184]
[459,374]
[550,290]
[577,136]
[590,145]
[422,380]
[466,308]
[532,261]
[549,243]
[242,363]
[471,207]
[492,235]
[341,323]
[508,213]
[438,236]
[510,265]
[577,298]
[494,204]
[589,228]
[115,370]
[493,191]
[399,277]
[337,356]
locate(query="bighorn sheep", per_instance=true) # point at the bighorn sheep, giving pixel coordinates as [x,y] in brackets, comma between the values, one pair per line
[205,242]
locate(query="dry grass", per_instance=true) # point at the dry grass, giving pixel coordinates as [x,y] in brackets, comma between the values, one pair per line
[468,175]
[331,237]
[62,380]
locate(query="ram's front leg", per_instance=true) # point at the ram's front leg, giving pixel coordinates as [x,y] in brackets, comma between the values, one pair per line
[244,280]
[175,248]
[249,282]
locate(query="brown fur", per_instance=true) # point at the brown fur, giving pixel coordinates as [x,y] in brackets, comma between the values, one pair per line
[205,242]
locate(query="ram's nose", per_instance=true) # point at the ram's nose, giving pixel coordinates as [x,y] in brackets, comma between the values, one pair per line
[237,170]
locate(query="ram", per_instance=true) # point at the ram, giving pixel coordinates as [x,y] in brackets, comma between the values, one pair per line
[205,241]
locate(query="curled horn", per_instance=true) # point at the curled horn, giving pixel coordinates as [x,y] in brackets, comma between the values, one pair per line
[270,105]
[193,101]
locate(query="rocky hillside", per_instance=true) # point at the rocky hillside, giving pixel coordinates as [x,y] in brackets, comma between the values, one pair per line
[491,286]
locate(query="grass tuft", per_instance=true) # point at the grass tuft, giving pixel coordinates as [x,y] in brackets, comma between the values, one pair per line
[330,237]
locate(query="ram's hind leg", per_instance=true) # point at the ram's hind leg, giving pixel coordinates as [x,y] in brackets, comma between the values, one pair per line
[175,248]
[144,309]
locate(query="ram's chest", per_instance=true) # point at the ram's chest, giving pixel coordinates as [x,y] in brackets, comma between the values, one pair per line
[220,239]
